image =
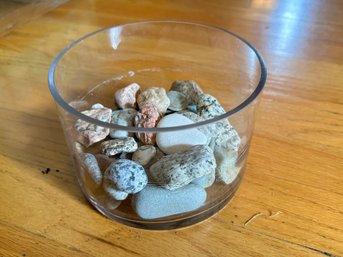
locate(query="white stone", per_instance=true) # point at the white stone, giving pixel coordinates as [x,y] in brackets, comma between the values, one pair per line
[178,141]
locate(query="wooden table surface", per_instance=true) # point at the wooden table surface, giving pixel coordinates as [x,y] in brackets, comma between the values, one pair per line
[295,166]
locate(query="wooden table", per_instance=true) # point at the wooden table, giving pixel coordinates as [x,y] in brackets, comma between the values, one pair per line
[295,167]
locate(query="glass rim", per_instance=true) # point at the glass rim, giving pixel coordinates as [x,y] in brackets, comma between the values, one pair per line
[58,98]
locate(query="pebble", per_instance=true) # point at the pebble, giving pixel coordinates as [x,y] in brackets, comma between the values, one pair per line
[127,176]
[155,202]
[92,168]
[208,107]
[144,154]
[97,106]
[108,202]
[189,88]
[147,117]
[192,107]
[205,181]
[203,129]
[156,96]
[111,190]
[126,97]
[179,169]
[226,169]
[178,141]
[178,101]
[89,133]
[124,118]
[115,146]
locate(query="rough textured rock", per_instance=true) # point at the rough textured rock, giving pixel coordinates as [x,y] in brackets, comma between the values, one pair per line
[144,154]
[156,96]
[127,176]
[126,97]
[91,166]
[124,118]
[178,141]
[176,170]
[115,146]
[178,101]
[189,88]
[155,202]
[88,133]
[147,117]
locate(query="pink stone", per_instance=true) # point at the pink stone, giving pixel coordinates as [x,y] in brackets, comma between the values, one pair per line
[147,117]
[89,133]
[126,97]
[156,96]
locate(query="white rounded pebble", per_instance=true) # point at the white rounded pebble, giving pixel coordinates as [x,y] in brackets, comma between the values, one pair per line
[155,202]
[178,141]
[97,106]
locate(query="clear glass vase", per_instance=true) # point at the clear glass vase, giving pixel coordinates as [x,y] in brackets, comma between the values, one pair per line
[231,75]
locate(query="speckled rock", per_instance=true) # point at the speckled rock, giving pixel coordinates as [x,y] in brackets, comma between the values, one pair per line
[126,97]
[127,176]
[225,138]
[91,166]
[205,181]
[144,154]
[88,133]
[156,96]
[203,129]
[115,146]
[155,202]
[111,189]
[147,117]
[208,107]
[178,141]
[178,101]
[176,170]
[188,88]
[124,118]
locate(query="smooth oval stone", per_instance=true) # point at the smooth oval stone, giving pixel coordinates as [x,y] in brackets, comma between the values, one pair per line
[92,168]
[179,169]
[178,141]
[155,202]
[178,101]
[144,154]
[127,176]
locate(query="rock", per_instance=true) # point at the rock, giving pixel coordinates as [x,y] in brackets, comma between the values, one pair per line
[178,101]
[203,129]
[192,107]
[115,146]
[156,96]
[103,161]
[176,170]
[205,181]
[91,166]
[226,169]
[97,106]
[188,88]
[225,138]
[144,154]
[124,118]
[147,117]
[127,176]
[126,97]
[89,133]
[78,104]
[155,202]
[108,202]
[125,156]
[111,190]
[178,141]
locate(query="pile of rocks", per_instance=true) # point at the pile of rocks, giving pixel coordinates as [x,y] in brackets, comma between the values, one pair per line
[166,173]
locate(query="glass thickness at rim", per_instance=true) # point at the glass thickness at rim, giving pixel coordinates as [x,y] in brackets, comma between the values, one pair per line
[68,108]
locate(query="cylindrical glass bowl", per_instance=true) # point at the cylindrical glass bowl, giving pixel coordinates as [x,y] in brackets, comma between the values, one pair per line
[196,179]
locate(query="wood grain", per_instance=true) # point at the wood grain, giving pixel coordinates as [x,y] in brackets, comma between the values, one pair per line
[295,164]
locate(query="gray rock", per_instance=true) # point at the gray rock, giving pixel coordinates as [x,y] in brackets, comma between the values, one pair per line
[111,189]
[92,168]
[205,181]
[127,176]
[155,202]
[124,118]
[115,146]
[189,88]
[144,154]
[178,141]
[176,170]
[208,107]
[226,169]
[178,101]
